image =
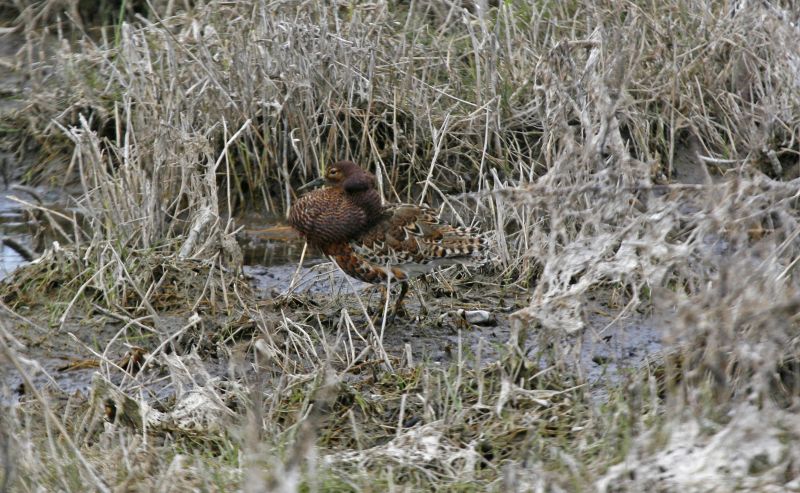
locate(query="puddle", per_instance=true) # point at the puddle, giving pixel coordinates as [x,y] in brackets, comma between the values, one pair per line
[16,229]
[9,260]
[13,230]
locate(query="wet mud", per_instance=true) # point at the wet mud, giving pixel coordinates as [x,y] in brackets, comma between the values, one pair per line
[436,333]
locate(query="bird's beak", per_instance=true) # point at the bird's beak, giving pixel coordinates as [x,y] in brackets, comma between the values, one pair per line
[313,184]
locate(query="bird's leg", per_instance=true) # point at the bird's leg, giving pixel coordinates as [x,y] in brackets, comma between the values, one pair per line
[380,288]
[381,310]
[423,306]
[398,306]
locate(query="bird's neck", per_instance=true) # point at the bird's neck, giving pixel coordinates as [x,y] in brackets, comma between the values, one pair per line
[368,201]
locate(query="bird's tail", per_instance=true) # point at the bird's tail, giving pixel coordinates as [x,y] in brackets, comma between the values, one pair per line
[459,242]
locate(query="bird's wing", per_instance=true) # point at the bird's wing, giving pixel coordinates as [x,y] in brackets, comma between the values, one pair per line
[325,216]
[413,234]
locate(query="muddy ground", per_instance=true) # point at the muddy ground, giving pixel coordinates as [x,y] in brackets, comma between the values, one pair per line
[68,353]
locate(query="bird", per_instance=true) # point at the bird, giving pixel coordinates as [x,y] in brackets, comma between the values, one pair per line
[374,242]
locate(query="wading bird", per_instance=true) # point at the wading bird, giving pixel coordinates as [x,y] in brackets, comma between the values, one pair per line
[373,242]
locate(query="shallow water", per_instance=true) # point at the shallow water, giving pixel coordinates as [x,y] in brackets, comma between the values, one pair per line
[9,260]
[12,226]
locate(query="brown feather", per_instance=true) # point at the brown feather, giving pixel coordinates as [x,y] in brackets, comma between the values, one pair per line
[370,241]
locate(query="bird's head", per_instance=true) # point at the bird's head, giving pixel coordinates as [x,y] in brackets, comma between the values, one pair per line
[346,175]
[349,176]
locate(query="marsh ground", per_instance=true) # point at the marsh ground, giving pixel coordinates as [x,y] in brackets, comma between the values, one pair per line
[636,166]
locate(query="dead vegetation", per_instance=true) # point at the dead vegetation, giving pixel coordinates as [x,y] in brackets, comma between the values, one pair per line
[650,152]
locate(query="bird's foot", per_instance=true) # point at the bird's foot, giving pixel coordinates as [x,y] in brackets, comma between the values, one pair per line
[392,315]
[378,318]
[400,309]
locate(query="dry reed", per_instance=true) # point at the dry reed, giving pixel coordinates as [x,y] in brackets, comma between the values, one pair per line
[646,151]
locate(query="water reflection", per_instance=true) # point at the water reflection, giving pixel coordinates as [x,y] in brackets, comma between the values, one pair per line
[9,260]
[12,229]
